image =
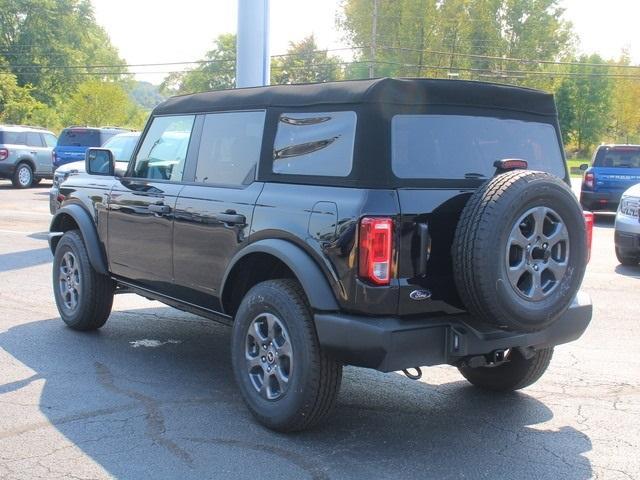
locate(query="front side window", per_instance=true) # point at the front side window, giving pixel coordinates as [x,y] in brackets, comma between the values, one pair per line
[164,149]
[230,148]
[319,144]
[463,146]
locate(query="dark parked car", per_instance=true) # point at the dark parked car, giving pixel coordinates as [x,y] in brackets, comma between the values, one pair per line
[73,142]
[614,169]
[383,223]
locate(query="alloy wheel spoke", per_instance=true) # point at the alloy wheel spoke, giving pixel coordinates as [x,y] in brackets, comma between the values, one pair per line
[539,216]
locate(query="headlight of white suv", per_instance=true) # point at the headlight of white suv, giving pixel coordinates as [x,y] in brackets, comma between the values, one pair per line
[629,206]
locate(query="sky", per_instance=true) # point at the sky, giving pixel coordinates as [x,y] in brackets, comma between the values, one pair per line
[153,31]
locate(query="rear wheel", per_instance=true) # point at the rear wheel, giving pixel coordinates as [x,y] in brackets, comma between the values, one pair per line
[516,373]
[23,176]
[286,380]
[83,296]
[627,259]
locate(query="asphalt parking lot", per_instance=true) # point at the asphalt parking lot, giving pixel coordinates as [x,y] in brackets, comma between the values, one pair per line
[152,395]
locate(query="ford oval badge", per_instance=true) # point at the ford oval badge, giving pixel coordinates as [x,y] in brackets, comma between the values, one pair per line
[420,295]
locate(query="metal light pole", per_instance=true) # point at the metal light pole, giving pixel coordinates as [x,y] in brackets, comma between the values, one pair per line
[252,44]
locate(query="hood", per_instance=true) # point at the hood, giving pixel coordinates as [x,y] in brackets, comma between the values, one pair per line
[633,191]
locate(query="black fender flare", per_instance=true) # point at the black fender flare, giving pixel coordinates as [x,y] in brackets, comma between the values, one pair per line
[89,234]
[306,270]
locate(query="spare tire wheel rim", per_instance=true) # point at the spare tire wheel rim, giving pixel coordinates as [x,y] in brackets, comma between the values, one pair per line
[269,356]
[537,253]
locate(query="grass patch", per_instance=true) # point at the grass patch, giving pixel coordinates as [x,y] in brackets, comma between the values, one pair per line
[574,166]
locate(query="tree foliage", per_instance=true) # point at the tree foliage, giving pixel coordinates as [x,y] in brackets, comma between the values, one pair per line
[98,103]
[584,103]
[48,43]
[304,62]
[217,72]
[454,37]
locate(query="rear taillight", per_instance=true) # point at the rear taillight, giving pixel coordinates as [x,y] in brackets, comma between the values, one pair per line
[4,153]
[588,222]
[589,180]
[376,245]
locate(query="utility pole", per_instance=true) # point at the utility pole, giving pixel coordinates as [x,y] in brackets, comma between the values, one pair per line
[374,34]
[253,62]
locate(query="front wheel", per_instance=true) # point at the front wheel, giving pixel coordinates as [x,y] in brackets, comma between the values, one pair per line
[516,373]
[286,380]
[83,296]
[626,259]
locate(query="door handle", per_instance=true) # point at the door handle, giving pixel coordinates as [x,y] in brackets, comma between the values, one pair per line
[34,153]
[231,218]
[159,208]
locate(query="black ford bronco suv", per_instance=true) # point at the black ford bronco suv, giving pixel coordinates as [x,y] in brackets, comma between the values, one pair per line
[387,224]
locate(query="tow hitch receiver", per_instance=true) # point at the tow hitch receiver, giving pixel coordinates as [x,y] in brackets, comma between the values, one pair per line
[493,359]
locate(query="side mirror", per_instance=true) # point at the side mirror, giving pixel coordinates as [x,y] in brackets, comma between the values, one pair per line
[99,161]
[584,166]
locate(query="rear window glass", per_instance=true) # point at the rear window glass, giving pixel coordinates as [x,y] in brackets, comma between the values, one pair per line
[319,144]
[13,138]
[461,146]
[76,137]
[618,157]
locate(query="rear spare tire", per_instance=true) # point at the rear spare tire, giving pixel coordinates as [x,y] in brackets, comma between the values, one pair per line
[520,251]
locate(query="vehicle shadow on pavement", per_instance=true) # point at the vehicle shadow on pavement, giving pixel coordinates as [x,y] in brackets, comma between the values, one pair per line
[633,272]
[24,259]
[152,395]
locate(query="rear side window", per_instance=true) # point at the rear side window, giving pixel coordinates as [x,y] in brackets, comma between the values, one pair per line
[460,146]
[230,148]
[618,157]
[79,137]
[164,149]
[34,139]
[319,144]
[13,138]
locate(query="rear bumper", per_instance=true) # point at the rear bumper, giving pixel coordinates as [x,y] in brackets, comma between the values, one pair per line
[605,201]
[7,169]
[389,344]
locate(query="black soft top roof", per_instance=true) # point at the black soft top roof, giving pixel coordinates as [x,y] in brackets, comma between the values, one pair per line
[377,91]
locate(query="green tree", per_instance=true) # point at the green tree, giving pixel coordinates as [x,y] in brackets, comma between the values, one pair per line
[584,103]
[17,105]
[625,107]
[48,44]
[97,103]
[305,63]
[455,37]
[217,72]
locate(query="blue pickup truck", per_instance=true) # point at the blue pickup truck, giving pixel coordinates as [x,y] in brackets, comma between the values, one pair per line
[73,142]
[613,170]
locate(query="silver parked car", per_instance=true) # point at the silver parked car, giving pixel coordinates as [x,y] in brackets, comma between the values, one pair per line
[627,233]
[25,154]
[121,145]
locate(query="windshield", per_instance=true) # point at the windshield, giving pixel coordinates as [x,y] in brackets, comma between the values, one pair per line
[618,157]
[122,147]
[460,146]
[79,137]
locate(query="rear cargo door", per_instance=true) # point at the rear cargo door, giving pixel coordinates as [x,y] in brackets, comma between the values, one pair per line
[441,160]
